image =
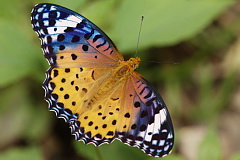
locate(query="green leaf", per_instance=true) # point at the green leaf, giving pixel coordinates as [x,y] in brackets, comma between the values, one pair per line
[97,12]
[166,22]
[73,4]
[18,53]
[210,146]
[14,113]
[20,116]
[10,9]
[168,157]
[87,151]
[39,121]
[29,153]
[111,151]
[236,156]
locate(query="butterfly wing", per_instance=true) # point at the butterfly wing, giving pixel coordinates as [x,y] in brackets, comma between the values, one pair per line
[69,39]
[145,121]
[135,114]
[81,58]
[100,122]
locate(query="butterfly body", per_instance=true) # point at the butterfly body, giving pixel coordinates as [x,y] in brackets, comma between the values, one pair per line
[91,86]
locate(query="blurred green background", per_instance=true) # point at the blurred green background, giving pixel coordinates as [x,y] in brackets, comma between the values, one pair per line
[202,92]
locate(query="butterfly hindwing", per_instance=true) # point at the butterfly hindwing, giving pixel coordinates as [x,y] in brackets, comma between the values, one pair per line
[150,128]
[75,95]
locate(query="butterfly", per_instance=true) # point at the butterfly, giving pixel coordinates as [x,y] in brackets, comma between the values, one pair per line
[91,86]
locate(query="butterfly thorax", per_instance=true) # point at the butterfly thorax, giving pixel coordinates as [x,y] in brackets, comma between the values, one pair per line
[117,76]
[126,68]
[134,62]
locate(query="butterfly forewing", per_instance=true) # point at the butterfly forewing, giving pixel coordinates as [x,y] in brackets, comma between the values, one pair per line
[80,85]
[66,35]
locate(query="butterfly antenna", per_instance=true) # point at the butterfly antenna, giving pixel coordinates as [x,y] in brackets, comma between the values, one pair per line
[161,62]
[139,36]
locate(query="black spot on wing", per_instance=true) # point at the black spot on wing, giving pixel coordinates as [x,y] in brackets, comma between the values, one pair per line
[60,37]
[142,90]
[93,75]
[74,56]
[87,36]
[53,14]
[85,48]
[148,95]
[75,38]
[97,37]
[61,47]
[81,24]
[100,45]
[144,113]
[69,29]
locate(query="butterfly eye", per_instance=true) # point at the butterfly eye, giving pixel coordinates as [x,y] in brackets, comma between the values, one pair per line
[135,66]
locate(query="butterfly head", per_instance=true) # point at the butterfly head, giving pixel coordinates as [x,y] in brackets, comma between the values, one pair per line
[134,62]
